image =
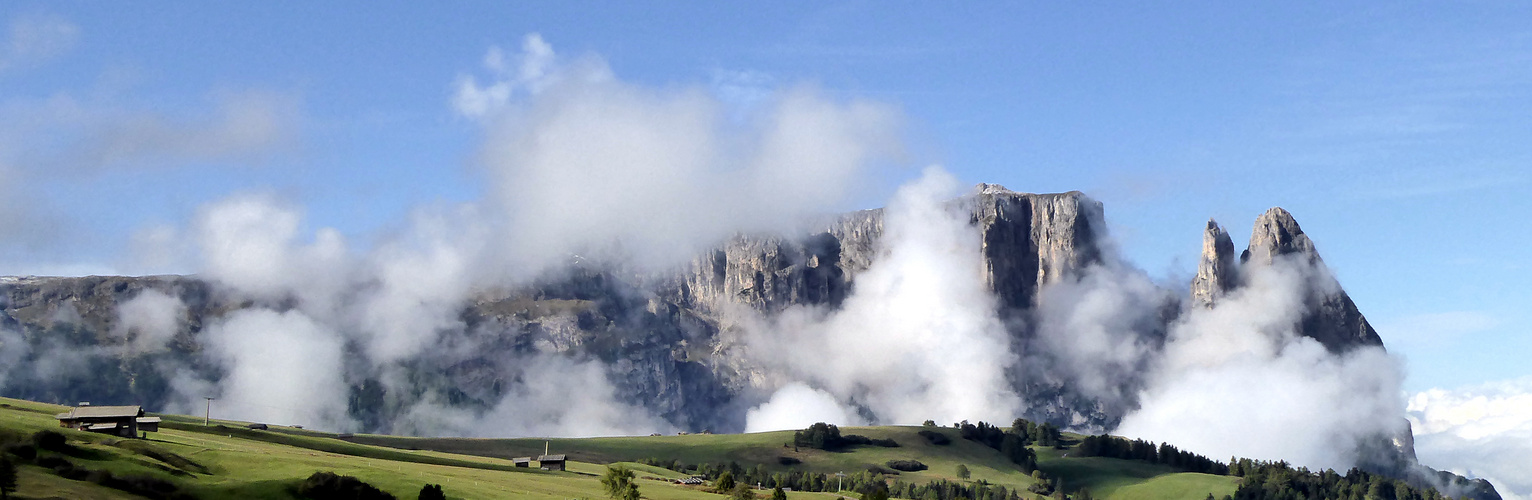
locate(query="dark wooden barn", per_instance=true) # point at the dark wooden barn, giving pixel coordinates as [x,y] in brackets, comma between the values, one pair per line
[124,421]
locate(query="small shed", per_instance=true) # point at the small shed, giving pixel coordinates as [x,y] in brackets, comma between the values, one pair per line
[522,461]
[149,424]
[257,427]
[123,421]
[551,462]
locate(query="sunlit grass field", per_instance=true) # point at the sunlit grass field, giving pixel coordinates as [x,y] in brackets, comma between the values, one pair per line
[227,460]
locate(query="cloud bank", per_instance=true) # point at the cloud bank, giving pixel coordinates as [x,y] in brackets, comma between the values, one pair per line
[582,166]
[1236,379]
[1481,431]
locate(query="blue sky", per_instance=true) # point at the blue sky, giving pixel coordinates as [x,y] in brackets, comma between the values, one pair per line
[1398,135]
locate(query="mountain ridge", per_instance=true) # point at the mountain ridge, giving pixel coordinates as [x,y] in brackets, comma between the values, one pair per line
[658,335]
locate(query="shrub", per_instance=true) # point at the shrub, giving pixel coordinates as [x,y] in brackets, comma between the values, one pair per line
[935,438]
[331,486]
[50,440]
[431,492]
[25,452]
[788,461]
[906,465]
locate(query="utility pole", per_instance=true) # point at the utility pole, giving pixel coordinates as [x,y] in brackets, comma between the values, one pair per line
[209,414]
[838,477]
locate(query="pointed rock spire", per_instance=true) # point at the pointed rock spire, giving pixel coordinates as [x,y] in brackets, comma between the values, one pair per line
[1330,316]
[1215,272]
[1276,233]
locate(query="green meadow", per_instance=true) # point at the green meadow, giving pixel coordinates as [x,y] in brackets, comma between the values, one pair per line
[227,460]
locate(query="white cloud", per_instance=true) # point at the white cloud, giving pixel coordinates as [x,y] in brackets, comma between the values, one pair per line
[282,368]
[1481,431]
[1237,380]
[533,74]
[149,320]
[798,406]
[249,242]
[557,396]
[918,338]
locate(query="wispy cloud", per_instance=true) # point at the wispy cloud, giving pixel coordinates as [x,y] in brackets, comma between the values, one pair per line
[1436,328]
[34,39]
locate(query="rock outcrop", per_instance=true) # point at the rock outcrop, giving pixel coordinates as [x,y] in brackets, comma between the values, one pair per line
[1215,271]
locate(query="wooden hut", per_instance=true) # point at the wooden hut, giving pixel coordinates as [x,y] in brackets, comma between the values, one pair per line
[123,421]
[551,462]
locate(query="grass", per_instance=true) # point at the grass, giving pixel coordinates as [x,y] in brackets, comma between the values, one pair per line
[1127,479]
[228,460]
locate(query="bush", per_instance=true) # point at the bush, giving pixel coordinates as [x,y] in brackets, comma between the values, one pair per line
[936,438]
[431,492]
[330,486]
[50,440]
[827,437]
[25,452]
[906,465]
[788,461]
[63,467]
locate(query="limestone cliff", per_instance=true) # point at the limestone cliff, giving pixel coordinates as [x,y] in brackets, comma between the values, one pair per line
[1028,241]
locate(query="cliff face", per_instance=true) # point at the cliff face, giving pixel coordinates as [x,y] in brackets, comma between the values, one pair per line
[1028,241]
[656,334]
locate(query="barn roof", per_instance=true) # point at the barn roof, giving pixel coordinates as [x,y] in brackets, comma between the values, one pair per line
[550,458]
[101,412]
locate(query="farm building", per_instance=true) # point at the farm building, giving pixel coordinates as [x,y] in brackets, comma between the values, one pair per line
[551,462]
[522,461]
[124,421]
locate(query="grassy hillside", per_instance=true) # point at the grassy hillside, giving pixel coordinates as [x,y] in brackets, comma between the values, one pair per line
[226,460]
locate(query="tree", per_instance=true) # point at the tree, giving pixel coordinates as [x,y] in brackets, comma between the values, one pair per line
[619,484]
[741,492]
[962,471]
[778,494]
[724,483]
[7,478]
[431,492]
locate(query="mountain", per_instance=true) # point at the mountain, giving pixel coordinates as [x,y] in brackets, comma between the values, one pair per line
[661,337]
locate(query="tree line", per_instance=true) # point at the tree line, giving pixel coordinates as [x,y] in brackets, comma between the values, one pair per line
[1280,481]
[1115,447]
[1013,442]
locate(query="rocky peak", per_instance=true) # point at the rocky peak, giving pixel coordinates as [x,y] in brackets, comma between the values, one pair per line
[1216,271]
[1276,233]
[1330,316]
